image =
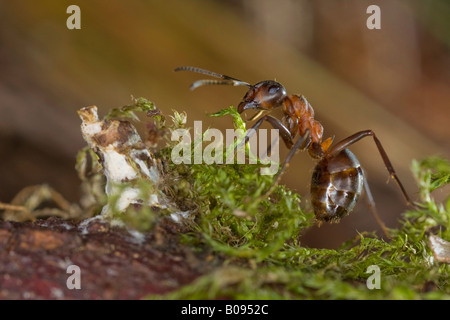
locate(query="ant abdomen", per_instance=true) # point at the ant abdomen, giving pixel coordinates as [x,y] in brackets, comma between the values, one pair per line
[336,185]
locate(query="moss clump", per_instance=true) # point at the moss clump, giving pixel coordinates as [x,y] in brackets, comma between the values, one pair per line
[233,216]
[231,221]
[256,240]
[276,266]
[259,238]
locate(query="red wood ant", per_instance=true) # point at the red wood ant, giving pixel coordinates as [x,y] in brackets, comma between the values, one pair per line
[338,179]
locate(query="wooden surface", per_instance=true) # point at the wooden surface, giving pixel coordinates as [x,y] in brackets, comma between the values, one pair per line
[36,260]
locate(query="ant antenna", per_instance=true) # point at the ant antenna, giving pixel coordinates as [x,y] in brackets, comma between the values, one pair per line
[227,80]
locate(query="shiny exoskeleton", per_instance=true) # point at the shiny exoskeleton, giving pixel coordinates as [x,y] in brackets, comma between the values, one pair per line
[336,185]
[338,179]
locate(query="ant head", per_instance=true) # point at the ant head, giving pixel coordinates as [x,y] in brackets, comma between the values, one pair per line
[264,95]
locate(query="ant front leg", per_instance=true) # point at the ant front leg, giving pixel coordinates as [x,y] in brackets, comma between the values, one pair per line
[302,143]
[343,144]
[277,124]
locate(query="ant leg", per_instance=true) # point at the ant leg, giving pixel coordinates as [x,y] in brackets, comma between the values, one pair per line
[269,148]
[302,143]
[373,209]
[343,144]
[277,124]
[256,116]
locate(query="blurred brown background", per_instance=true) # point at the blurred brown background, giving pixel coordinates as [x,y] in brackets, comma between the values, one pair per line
[394,80]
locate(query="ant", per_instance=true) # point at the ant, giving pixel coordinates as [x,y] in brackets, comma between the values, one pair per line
[338,179]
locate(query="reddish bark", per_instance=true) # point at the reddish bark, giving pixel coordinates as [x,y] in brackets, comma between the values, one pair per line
[114,264]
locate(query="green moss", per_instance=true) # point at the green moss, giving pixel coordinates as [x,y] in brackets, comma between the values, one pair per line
[234,217]
[129,111]
[257,239]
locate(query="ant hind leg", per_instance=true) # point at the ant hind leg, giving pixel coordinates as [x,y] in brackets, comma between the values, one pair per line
[372,207]
[345,143]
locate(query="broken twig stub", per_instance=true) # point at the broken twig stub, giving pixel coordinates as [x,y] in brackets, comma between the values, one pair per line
[125,161]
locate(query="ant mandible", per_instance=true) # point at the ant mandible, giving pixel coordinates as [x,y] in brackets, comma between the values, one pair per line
[338,179]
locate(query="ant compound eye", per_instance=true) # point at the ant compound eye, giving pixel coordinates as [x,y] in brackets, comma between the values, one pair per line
[274,92]
[263,96]
[273,89]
